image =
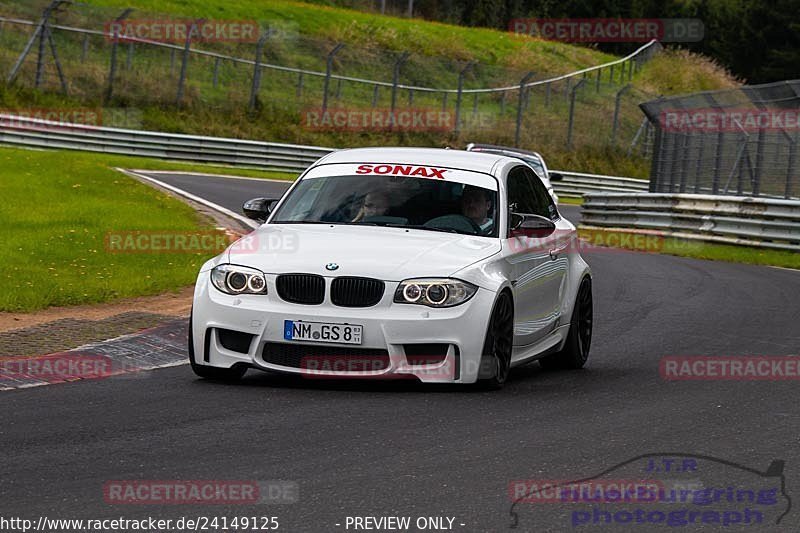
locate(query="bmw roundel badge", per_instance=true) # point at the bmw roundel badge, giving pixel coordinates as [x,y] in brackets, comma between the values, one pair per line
[332,266]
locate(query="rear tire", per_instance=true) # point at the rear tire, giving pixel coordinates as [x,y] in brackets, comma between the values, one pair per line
[210,372]
[579,339]
[496,353]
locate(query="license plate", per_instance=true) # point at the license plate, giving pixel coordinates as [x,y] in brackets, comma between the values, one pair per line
[296,330]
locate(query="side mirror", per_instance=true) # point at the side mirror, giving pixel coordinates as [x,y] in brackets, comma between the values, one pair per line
[533,226]
[259,208]
[556,176]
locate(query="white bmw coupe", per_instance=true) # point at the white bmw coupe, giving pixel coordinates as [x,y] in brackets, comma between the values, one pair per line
[441,265]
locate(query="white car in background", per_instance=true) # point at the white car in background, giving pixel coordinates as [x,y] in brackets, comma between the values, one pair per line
[441,265]
[534,159]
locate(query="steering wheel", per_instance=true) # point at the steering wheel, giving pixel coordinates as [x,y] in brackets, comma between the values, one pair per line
[459,223]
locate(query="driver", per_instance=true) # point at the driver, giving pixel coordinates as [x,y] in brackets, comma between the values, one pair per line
[476,203]
[376,203]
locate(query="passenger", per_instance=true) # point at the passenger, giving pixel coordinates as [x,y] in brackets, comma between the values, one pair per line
[376,203]
[476,203]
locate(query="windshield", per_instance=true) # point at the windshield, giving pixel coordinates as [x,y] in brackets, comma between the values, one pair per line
[397,201]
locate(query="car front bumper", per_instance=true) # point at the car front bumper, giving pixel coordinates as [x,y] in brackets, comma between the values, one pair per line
[256,324]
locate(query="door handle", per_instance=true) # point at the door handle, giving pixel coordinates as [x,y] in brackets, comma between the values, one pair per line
[555,252]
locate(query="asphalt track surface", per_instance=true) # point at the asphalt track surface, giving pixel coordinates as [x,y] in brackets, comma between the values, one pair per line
[403,449]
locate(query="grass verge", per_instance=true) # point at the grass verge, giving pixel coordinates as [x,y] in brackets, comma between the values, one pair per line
[650,242]
[59,207]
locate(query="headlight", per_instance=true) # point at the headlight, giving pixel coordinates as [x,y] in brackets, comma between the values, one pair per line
[235,279]
[434,292]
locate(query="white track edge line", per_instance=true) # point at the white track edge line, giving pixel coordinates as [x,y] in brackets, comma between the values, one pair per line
[250,223]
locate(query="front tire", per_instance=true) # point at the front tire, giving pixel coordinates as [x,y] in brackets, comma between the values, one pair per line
[496,353]
[579,339]
[210,372]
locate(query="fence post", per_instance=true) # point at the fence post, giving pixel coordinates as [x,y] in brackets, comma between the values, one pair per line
[375,95]
[756,185]
[53,51]
[615,122]
[699,164]
[718,162]
[129,58]
[611,74]
[684,170]
[502,103]
[402,58]
[655,163]
[790,164]
[262,40]
[299,90]
[637,136]
[215,80]
[444,102]
[328,68]
[112,69]
[572,112]
[410,97]
[85,47]
[461,75]
[40,55]
[185,61]
[15,69]
[597,82]
[520,103]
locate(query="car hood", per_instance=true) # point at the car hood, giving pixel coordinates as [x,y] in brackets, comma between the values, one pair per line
[390,254]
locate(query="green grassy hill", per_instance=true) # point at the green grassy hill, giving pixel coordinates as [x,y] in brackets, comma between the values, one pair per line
[217,104]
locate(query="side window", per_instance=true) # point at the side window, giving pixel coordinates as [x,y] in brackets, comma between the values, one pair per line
[543,203]
[521,198]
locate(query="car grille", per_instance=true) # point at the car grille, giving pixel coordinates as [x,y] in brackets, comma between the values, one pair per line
[331,358]
[308,289]
[356,292]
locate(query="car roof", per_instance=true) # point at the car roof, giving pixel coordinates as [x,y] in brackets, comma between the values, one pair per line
[460,159]
[477,147]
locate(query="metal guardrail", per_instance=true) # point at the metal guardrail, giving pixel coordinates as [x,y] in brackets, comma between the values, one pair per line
[760,222]
[25,131]
[237,152]
[578,184]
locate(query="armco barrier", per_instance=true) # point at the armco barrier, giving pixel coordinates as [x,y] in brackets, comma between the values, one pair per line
[578,184]
[263,155]
[279,157]
[761,222]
